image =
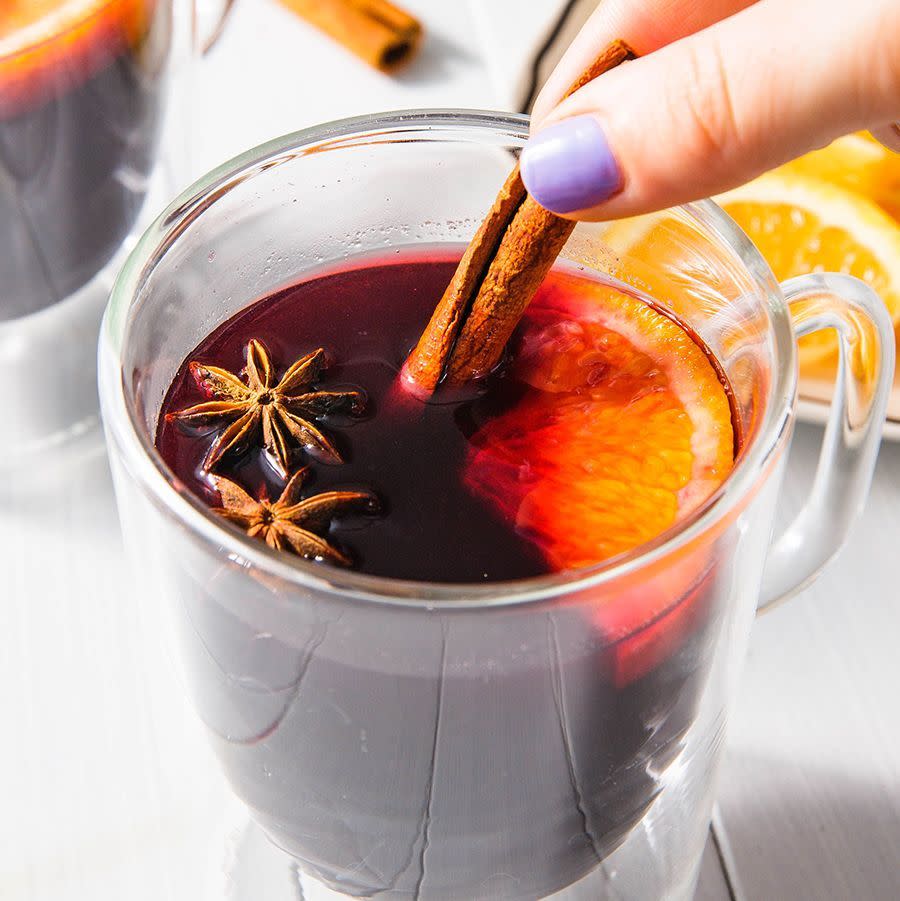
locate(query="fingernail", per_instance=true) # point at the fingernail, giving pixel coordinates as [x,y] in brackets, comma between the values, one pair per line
[569,166]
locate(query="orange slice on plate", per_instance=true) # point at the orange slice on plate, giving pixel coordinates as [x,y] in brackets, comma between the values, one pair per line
[857,163]
[801,225]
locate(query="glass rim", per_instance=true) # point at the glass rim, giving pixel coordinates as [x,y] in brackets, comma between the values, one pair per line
[142,460]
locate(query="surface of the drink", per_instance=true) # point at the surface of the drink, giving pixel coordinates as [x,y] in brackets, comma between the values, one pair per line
[80,95]
[607,424]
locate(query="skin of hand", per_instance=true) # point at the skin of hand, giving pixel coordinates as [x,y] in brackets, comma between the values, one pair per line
[722,91]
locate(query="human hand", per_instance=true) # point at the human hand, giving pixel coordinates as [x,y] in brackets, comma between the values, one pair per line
[723,90]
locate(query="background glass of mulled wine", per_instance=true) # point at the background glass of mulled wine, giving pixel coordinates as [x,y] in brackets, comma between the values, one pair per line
[494,741]
[87,89]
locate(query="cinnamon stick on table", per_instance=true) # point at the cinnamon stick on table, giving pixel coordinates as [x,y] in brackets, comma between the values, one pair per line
[382,34]
[499,274]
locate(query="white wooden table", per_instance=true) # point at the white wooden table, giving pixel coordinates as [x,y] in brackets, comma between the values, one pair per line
[108,790]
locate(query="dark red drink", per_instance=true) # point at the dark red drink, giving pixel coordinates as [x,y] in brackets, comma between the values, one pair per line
[503,755]
[411,457]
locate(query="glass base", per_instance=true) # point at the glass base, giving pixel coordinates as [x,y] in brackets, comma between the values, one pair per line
[254,867]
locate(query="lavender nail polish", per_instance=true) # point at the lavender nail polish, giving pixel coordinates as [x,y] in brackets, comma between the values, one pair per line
[569,166]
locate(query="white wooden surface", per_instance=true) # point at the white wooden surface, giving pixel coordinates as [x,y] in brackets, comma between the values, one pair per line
[810,800]
[108,791]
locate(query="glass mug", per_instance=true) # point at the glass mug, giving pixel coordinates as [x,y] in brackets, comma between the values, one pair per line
[555,736]
[86,89]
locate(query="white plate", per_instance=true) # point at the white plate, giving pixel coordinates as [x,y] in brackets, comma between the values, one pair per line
[815,395]
[816,411]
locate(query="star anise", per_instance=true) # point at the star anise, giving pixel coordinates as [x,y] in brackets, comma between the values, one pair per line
[293,523]
[283,413]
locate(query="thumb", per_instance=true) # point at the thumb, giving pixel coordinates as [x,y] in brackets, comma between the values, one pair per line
[715,109]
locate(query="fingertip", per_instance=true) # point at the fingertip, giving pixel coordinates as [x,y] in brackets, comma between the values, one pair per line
[569,166]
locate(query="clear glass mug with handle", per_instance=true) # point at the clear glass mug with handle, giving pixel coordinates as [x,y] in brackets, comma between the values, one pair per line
[93,123]
[557,736]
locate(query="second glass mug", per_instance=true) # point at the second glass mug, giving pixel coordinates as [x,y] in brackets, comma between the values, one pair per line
[508,741]
[88,88]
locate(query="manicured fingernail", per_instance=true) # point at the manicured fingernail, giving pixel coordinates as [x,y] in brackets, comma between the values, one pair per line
[569,166]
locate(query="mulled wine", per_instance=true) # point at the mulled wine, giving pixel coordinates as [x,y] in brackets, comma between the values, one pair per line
[413,772]
[80,116]
[475,487]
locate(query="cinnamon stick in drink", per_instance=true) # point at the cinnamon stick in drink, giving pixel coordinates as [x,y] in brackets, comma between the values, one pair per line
[501,270]
[377,31]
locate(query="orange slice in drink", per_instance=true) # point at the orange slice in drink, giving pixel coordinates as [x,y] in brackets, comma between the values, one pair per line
[802,224]
[622,430]
[624,427]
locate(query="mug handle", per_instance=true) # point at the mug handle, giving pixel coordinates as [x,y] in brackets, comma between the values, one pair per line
[850,444]
[216,11]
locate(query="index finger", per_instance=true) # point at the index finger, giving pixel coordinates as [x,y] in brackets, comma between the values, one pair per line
[645,25]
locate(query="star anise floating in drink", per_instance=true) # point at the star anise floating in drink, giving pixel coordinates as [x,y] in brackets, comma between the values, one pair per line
[280,417]
[293,523]
[281,413]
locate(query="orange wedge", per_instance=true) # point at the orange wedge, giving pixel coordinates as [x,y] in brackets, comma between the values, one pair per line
[802,224]
[665,257]
[859,164]
[623,428]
